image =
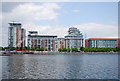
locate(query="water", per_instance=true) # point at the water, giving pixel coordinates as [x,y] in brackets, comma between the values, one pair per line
[84,66]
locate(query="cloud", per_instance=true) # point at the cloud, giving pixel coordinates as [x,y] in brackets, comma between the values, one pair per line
[33,12]
[8,6]
[93,30]
[46,29]
[76,10]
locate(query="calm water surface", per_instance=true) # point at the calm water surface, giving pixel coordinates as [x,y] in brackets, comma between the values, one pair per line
[84,66]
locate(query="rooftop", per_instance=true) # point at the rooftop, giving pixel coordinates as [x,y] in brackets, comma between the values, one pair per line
[103,39]
[14,23]
[43,35]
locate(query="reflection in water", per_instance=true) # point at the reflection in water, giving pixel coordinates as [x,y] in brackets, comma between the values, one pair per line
[13,67]
[72,66]
[84,66]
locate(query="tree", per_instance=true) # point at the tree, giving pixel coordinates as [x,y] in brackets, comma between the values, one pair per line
[74,49]
[64,49]
[101,49]
[33,49]
[45,49]
[68,49]
[82,48]
[60,49]
[24,48]
[41,49]
[1,48]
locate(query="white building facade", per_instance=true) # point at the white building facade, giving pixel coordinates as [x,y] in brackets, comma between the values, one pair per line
[74,39]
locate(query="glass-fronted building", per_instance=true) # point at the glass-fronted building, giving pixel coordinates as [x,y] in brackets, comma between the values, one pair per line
[102,43]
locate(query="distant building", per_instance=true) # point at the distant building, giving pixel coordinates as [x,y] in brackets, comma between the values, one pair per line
[16,35]
[74,39]
[23,37]
[102,43]
[42,41]
[61,43]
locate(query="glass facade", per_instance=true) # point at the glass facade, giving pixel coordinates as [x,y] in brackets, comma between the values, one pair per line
[102,43]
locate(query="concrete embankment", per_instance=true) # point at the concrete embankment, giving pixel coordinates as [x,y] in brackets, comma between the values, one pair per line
[55,53]
[11,53]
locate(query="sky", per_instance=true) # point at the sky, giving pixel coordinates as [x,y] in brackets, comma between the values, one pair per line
[93,19]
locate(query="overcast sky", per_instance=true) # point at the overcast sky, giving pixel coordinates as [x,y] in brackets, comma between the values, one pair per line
[95,19]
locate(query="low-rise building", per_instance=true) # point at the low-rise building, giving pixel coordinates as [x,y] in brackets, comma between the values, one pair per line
[42,41]
[102,43]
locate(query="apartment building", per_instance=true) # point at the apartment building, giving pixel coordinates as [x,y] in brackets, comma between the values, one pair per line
[16,35]
[74,39]
[42,41]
